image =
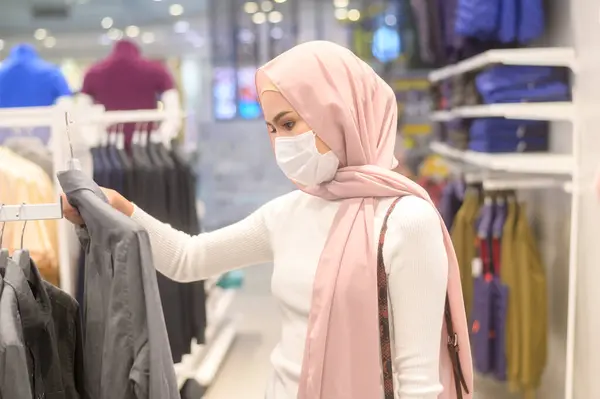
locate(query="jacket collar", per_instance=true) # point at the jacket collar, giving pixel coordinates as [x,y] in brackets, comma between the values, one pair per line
[34,303]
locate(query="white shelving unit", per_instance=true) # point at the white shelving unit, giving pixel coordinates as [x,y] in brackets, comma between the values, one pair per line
[557,56]
[525,163]
[520,165]
[551,111]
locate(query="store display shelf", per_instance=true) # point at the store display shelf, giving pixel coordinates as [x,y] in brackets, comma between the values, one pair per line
[527,163]
[216,355]
[557,56]
[550,111]
[218,308]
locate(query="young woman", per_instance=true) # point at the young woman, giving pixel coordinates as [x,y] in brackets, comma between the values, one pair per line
[353,326]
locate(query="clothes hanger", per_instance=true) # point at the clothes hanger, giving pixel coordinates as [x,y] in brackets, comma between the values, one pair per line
[120,137]
[3,251]
[21,256]
[135,138]
[144,135]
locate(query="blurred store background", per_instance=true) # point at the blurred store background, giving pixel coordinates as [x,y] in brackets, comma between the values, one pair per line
[211,49]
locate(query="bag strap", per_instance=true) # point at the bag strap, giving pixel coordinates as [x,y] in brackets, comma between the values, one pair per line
[384,325]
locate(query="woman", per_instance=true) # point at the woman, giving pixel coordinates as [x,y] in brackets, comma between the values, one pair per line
[332,123]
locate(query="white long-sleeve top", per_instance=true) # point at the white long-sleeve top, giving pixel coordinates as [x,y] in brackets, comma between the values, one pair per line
[290,231]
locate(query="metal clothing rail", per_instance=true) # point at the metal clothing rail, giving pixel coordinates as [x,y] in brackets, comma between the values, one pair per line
[28,212]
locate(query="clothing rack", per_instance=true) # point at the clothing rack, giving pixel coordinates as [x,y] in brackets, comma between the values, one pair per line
[54,118]
[204,360]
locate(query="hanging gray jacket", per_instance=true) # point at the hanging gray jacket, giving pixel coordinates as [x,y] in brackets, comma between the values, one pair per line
[126,349]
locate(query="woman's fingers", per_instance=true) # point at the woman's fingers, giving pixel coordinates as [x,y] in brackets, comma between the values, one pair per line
[70,213]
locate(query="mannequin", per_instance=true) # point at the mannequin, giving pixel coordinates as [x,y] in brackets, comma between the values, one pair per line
[26,80]
[125,80]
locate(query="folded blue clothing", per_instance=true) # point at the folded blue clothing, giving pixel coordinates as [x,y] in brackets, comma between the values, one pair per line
[507,128]
[477,18]
[532,20]
[507,146]
[544,92]
[501,77]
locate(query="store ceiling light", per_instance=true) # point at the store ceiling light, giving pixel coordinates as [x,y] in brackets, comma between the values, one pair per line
[40,34]
[181,26]
[132,31]
[353,15]
[275,17]
[341,14]
[175,10]
[266,6]
[115,34]
[340,3]
[259,18]
[250,7]
[107,22]
[49,42]
[148,37]
[280,1]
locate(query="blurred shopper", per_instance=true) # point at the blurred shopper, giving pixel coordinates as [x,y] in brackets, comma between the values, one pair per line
[364,269]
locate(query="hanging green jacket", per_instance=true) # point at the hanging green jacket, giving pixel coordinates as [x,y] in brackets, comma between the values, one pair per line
[463,236]
[509,275]
[533,320]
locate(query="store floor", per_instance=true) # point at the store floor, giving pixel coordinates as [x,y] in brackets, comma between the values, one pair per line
[247,367]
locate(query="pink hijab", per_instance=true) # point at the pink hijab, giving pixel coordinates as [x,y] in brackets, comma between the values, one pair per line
[354,112]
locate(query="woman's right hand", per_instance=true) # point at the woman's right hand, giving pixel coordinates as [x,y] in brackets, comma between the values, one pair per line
[115,200]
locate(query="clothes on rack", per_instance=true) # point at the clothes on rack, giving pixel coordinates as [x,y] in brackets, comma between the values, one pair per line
[33,149]
[163,182]
[22,181]
[126,351]
[504,286]
[41,351]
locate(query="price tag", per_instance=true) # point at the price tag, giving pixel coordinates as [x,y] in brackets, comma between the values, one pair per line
[477,267]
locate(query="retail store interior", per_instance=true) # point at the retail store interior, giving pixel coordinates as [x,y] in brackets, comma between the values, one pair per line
[497,115]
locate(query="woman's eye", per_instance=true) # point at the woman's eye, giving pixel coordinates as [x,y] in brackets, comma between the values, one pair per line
[289,125]
[271,129]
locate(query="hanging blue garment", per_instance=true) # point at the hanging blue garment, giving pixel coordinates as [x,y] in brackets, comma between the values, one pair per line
[478,18]
[531,20]
[28,81]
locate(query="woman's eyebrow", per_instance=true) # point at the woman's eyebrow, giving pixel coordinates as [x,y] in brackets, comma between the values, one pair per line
[280,115]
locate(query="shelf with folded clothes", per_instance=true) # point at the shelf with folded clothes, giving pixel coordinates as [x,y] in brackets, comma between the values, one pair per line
[550,56]
[530,163]
[513,92]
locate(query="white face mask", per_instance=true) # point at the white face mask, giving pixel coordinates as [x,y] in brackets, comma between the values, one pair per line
[299,159]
